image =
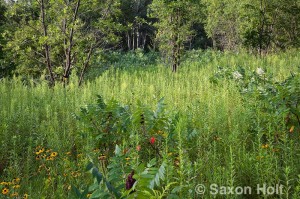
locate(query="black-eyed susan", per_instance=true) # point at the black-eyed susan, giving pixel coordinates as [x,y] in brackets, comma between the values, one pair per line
[25,196]
[5,191]
[49,158]
[53,154]
[40,151]
[3,183]
[15,181]
[14,195]
[16,186]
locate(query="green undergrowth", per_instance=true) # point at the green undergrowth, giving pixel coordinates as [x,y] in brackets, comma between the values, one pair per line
[224,118]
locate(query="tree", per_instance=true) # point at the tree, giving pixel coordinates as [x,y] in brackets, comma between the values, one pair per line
[175,19]
[222,23]
[60,35]
[137,28]
[2,23]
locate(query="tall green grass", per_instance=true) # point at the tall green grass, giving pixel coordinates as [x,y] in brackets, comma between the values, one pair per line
[222,150]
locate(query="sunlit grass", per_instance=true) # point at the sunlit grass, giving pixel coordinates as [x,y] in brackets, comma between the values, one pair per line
[35,115]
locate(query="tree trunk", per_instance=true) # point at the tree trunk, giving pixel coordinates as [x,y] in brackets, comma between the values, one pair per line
[69,50]
[46,46]
[86,64]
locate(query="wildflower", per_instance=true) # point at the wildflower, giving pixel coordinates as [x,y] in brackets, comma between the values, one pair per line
[40,151]
[127,159]
[75,174]
[130,181]
[17,180]
[14,195]
[53,154]
[49,150]
[88,195]
[152,140]
[138,147]
[49,158]
[236,75]
[265,146]
[16,186]
[25,196]
[292,129]
[5,191]
[68,153]
[3,183]
[38,157]
[260,71]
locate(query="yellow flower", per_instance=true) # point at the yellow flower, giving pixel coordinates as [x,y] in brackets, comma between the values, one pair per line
[292,129]
[68,153]
[16,186]
[88,195]
[16,180]
[53,154]
[49,150]
[4,183]
[25,196]
[127,159]
[265,146]
[49,158]
[14,195]
[5,191]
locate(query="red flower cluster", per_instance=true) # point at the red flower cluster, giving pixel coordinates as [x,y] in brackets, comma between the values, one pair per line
[152,140]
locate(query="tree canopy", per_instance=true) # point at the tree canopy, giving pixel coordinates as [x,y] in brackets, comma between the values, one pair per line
[60,38]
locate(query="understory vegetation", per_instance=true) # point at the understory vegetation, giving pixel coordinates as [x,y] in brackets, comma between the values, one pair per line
[140,131]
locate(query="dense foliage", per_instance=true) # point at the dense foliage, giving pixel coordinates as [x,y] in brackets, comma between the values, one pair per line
[60,38]
[225,118]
